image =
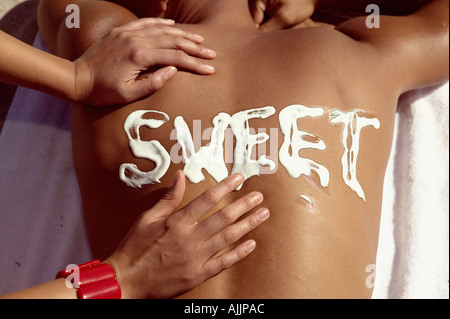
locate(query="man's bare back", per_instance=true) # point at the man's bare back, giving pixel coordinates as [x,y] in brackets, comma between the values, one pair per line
[321,240]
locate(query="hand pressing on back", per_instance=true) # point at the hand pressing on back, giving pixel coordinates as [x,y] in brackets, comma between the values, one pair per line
[137,59]
[167,253]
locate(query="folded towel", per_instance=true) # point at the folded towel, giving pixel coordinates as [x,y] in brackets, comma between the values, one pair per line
[413,256]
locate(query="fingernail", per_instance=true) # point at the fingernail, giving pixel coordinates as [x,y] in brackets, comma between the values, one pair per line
[262,214]
[211,52]
[198,38]
[209,68]
[250,245]
[170,72]
[237,178]
[257,197]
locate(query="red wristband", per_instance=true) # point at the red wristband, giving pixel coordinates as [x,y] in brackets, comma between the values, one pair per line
[93,280]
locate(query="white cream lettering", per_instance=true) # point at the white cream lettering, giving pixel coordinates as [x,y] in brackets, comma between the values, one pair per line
[271,153]
[245,142]
[353,124]
[212,157]
[294,141]
[209,157]
[151,150]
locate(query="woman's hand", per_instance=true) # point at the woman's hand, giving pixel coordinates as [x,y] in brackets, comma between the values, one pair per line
[167,253]
[282,14]
[137,59]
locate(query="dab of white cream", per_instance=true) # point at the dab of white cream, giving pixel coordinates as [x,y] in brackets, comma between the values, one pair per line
[210,157]
[151,150]
[309,200]
[309,204]
[245,142]
[353,124]
[294,141]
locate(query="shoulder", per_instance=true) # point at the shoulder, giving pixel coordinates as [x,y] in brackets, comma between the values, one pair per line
[403,43]
[97,19]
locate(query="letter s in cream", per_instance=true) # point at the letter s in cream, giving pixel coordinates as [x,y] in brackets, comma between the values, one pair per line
[151,150]
[353,124]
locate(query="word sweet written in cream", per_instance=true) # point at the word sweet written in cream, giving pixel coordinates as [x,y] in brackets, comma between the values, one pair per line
[211,157]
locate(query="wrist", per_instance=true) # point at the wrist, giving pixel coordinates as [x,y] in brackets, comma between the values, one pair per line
[82,83]
[93,280]
[124,278]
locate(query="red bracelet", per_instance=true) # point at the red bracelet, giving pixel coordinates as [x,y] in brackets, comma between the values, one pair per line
[93,280]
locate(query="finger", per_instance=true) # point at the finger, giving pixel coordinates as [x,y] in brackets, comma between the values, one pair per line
[152,31]
[145,22]
[274,23]
[170,200]
[233,233]
[287,15]
[187,46]
[218,264]
[199,206]
[229,214]
[257,9]
[148,84]
[179,59]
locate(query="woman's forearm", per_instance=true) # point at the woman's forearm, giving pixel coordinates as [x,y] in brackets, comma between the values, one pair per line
[24,65]
[95,77]
[55,289]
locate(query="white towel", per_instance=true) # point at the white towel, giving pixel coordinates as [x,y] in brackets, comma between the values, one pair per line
[413,256]
[41,222]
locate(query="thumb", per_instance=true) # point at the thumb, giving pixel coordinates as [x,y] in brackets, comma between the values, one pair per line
[276,22]
[287,16]
[171,199]
[257,9]
[150,83]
